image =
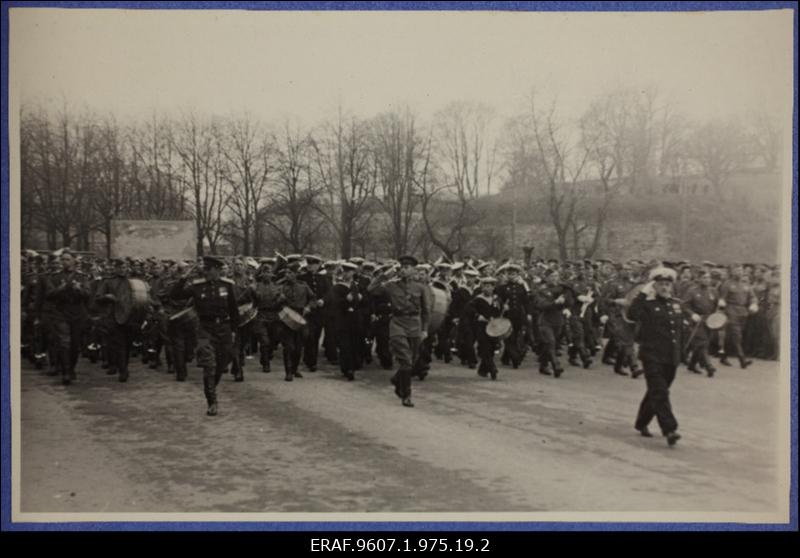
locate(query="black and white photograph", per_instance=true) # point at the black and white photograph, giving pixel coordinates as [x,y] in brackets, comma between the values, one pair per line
[400,266]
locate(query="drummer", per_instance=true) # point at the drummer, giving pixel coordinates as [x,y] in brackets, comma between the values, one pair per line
[215,302]
[299,297]
[409,323]
[118,336]
[486,306]
[702,299]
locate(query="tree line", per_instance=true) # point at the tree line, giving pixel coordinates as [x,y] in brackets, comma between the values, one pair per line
[384,185]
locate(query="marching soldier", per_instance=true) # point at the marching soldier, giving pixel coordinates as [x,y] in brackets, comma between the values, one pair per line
[69,295]
[268,298]
[552,301]
[702,299]
[409,323]
[320,285]
[345,298]
[381,316]
[299,297]
[485,305]
[514,298]
[215,302]
[739,301]
[661,337]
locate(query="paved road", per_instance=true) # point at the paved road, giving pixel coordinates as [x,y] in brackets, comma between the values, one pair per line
[526,442]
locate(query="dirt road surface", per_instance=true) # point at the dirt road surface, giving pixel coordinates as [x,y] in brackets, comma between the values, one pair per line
[525,442]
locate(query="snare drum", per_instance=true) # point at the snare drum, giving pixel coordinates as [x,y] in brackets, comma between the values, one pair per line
[717,320]
[247,313]
[499,328]
[291,319]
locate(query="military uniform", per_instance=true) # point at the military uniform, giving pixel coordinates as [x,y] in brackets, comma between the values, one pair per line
[268,298]
[551,322]
[215,304]
[738,297]
[702,300]
[410,315]
[515,295]
[661,338]
[297,296]
[485,308]
[344,299]
[320,285]
[118,336]
[69,295]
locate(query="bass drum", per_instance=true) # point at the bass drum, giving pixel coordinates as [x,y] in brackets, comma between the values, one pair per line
[441,302]
[132,302]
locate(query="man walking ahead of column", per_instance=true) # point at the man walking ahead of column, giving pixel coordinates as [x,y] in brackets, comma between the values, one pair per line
[409,324]
[215,303]
[661,338]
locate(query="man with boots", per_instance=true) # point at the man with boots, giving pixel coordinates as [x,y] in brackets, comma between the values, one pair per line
[215,303]
[320,284]
[409,323]
[661,335]
[702,299]
[68,293]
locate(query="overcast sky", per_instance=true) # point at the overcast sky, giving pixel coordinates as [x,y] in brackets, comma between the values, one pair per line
[302,64]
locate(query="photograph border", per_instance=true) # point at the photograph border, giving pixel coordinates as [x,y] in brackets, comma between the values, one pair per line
[5,496]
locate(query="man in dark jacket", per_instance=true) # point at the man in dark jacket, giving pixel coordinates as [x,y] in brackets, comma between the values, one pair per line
[215,302]
[661,336]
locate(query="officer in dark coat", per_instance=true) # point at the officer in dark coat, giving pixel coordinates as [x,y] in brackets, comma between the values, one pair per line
[486,306]
[215,302]
[661,320]
[320,284]
[515,301]
[344,299]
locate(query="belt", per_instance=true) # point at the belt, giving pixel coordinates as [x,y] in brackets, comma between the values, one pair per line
[214,320]
[405,314]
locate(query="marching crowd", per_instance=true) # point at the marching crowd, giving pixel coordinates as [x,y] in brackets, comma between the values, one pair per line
[218,311]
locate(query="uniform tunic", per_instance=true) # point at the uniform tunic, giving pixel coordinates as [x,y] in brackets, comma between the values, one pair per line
[661,337]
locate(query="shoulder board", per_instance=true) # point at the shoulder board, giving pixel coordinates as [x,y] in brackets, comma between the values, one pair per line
[198,281]
[226,280]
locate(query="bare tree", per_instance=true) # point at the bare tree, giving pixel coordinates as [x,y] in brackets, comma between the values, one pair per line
[290,212]
[342,160]
[449,210]
[399,154]
[559,171]
[466,154]
[197,143]
[719,148]
[248,153]
[154,169]
[766,138]
[111,196]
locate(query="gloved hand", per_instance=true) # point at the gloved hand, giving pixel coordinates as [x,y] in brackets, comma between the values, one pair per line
[722,303]
[753,308]
[603,319]
[695,318]
[566,312]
